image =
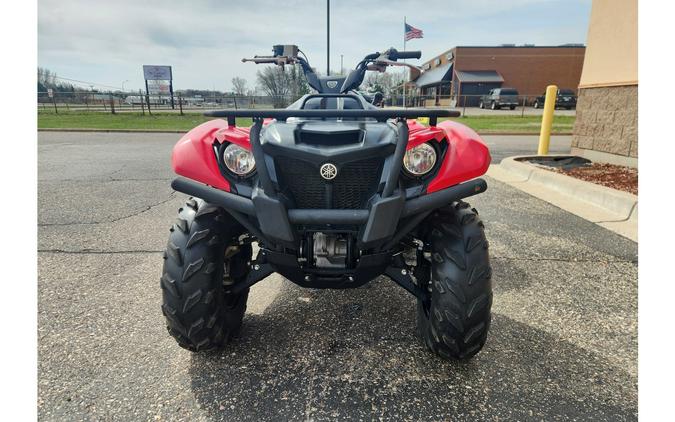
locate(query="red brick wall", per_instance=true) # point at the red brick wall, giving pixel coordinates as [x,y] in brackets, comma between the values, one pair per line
[528,69]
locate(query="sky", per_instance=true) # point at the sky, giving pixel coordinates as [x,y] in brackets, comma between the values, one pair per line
[106,42]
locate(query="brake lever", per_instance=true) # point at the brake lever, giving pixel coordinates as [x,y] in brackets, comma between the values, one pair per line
[278,60]
[387,62]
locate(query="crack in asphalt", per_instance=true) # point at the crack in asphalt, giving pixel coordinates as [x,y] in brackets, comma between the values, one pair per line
[110,176]
[108,179]
[98,252]
[151,179]
[114,220]
[531,258]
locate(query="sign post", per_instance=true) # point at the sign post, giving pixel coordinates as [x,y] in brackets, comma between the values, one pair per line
[147,96]
[140,96]
[157,73]
[50,94]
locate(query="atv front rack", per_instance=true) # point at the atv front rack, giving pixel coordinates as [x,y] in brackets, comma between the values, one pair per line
[381,115]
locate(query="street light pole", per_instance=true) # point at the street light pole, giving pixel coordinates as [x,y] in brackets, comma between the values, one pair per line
[327,37]
[342,68]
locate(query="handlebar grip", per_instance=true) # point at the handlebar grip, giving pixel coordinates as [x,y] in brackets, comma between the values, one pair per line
[408,54]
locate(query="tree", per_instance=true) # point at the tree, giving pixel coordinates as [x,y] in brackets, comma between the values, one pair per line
[47,79]
[239,86]
[283,86]
[384,83]
[298,82]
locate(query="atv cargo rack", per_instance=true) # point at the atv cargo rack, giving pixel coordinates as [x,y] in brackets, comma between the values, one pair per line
[379,114]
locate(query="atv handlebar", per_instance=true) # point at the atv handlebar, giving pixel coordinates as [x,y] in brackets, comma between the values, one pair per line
[288,54]
[395,55]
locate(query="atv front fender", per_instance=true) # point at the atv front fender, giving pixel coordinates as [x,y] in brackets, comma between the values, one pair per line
[193,155]
[467,156]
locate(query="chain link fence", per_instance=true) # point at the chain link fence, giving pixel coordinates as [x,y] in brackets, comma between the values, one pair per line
[119,102]
[525,105]
[140,103]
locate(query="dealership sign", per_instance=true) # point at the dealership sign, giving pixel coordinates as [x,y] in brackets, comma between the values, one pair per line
[157,73]
[159,87]
[162,82]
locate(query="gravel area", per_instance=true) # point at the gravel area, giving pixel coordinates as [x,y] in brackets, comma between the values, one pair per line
[562,346]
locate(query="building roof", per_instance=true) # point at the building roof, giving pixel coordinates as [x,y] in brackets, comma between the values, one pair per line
[435,76]
[569,45]
[479,76]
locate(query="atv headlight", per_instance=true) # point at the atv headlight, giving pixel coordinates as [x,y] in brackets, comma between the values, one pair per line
[420,160]
[238,160]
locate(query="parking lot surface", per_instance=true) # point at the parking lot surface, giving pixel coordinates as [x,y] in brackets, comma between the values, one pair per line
[562,346]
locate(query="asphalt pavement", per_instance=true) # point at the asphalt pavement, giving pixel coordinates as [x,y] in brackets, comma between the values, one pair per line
[562,346]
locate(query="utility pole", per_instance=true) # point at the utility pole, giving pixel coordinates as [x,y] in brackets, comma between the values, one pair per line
[327,37]
[342,68]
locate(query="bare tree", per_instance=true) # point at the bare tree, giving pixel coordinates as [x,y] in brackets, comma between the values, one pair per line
[46,76]
[283,86]
[384,83]
[274,82]
[239,86]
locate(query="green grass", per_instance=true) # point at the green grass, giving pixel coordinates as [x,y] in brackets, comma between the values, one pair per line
[125,120]
[525,124]
[174,121]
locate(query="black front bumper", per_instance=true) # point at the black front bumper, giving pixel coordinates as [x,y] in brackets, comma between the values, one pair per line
[274,224]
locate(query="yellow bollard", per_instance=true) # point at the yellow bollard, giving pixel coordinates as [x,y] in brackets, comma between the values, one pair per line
[547,119]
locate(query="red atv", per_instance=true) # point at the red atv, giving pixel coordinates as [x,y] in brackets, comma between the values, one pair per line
[335,192]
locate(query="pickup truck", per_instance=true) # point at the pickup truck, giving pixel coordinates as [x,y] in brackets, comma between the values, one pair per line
[500,97]
[566,98]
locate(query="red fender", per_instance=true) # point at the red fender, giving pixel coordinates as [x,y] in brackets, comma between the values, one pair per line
[467,156]
[193,156]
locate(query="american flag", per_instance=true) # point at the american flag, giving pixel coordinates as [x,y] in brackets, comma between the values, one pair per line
[412,32]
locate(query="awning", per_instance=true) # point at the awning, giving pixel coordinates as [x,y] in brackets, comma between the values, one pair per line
[478,76]
[435,76]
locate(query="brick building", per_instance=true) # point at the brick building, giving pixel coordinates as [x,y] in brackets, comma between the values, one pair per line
[607,110]
[465,72]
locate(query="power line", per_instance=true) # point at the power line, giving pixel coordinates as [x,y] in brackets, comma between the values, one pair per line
[85,82]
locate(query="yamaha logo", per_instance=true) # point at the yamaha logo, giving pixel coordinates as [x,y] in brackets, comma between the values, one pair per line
[331,84]
[328,171]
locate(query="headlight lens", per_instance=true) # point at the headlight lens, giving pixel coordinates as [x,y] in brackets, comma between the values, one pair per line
[238,160]
[420,160]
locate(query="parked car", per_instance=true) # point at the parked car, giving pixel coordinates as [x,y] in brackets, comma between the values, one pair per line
[566,98]
[500,97]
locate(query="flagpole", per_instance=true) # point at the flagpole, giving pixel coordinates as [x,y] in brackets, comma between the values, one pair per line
[405,70]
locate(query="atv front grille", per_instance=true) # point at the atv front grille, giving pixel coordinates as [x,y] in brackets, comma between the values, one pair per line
[350,189]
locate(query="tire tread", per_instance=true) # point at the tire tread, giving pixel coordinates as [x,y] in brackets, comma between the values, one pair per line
[458,318]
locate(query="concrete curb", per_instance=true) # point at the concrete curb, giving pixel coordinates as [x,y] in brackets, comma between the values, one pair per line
[617,202]
[184,131]
[609,208]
